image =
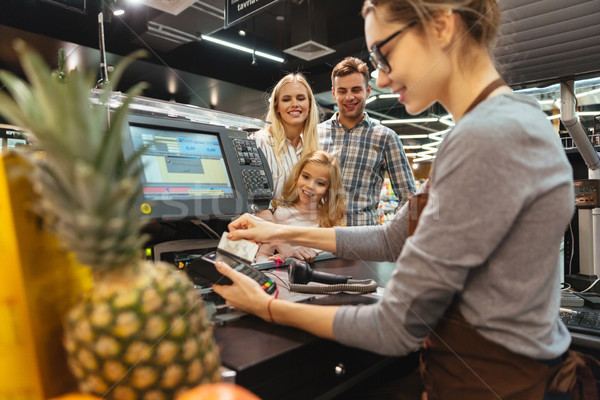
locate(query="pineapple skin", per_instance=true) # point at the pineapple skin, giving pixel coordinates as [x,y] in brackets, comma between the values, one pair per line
[143,333]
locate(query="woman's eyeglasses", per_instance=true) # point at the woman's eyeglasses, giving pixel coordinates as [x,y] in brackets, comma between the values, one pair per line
[377,59]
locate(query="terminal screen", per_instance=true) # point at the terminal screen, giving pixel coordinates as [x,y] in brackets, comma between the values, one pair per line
[180,165]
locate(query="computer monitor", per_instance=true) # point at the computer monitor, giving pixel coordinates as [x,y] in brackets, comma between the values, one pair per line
[194,170]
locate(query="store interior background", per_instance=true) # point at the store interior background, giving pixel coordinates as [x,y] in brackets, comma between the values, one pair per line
[542,43]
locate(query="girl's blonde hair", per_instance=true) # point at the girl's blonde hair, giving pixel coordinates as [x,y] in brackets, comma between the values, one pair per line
[332,207]
[310,138]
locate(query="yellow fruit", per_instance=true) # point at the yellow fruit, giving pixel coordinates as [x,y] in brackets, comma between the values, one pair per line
[75,396]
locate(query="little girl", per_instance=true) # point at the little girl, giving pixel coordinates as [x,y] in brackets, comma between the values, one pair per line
[312,196]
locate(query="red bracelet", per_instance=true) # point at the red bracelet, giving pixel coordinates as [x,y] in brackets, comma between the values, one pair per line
[269,309]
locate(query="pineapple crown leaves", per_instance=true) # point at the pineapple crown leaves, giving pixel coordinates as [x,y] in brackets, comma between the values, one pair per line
[88,188]
[57,110]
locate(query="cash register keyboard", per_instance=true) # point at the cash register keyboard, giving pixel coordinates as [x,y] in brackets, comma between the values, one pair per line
[582,322]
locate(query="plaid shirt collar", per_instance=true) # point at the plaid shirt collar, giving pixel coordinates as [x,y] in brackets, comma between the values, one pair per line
[365,121]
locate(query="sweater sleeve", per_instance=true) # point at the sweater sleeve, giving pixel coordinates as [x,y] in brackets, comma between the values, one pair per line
[373,243]
[466,217]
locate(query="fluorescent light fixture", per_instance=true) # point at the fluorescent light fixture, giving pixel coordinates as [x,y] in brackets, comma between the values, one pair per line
[438,135]
[594,91]
[413,136]
[424,157]
[546,102]
[241,48]
[370,99]
[389,96]
[269,56]
[446,120]
[433,147]
[408,121]
[412,147]
[411,155]
[579,114]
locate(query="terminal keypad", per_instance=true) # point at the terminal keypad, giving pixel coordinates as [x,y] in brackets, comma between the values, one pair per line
[257,183]
[247,152]
[255,180]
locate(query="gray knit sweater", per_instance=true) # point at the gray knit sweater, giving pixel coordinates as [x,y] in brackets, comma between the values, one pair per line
[501,198]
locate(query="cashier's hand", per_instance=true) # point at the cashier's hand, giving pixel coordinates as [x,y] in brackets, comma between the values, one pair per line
[252,228]
[244,294]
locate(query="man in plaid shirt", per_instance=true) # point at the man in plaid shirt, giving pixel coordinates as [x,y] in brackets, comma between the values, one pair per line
[366,150]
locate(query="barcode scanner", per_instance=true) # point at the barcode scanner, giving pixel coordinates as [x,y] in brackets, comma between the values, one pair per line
[300,272]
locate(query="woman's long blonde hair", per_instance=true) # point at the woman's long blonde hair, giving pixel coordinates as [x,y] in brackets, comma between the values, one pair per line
[310,138]
[332,207]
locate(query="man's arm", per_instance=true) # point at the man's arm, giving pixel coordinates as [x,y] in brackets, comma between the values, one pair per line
[398,167]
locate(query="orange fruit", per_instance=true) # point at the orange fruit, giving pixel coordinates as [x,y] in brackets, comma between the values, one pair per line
[218,391]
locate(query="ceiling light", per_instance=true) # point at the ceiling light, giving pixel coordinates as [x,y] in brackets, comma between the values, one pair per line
[412,136]
[424,157]
[432,147]
[370,99]
[408,121]
[412,147]
[389,96]
[446,120]
[242,32]
[375,74]
[594,91]
[117,8]
[546,102]
[241,48]
[438,135]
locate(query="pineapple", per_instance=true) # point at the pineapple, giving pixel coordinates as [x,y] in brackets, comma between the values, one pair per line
[142,332]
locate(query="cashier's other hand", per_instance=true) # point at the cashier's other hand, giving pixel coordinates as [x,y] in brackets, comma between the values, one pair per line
[252,228]
[244,294]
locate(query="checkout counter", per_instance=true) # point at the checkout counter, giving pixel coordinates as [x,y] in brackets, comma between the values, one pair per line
[278,362]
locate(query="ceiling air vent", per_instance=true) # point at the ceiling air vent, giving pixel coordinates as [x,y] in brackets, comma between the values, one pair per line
[170,6]
[309,50]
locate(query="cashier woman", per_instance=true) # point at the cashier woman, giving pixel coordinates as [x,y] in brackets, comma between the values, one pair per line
[476,286]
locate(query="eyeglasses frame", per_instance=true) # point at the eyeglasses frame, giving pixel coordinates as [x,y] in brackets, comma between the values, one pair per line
[375,51]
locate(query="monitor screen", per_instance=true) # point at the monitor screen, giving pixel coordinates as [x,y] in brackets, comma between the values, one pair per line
[194,170]
[12,136]
[180,165]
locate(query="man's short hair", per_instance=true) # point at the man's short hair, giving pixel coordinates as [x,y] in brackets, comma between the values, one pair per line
[350,65]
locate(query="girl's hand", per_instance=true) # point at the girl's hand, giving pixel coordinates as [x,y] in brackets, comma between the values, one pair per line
[244,294]
[301,253]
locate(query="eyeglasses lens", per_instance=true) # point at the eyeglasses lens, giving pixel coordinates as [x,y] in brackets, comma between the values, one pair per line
[378,60]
